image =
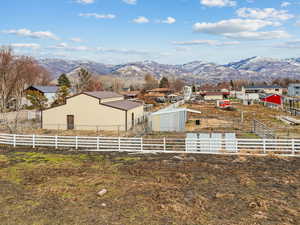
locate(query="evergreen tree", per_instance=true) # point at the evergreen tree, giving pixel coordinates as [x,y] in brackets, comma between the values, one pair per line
[62,93]
[63,80]
[37,99]
[164,83]
[194,88]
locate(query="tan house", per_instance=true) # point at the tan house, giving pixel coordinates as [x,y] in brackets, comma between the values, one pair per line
[94,111]
[273,89]
[210,96]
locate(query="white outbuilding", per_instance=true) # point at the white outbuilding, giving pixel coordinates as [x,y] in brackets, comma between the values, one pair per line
[170,119]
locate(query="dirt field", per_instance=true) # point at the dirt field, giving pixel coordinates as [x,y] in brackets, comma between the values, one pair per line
[60,189]
[218,120]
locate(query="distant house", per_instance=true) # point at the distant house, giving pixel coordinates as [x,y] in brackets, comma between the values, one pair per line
[94,111]
[273,89]
[294,90]
[272,99]
[158,94]
[164,91]
[218,88]
[48,91]
[130,94]
[209,96]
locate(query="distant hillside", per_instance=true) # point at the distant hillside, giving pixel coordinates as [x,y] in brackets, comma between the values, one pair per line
[254,69]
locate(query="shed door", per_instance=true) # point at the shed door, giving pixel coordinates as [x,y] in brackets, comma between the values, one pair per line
[70,122]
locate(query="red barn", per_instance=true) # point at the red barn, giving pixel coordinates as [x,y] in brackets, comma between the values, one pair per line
[273,98]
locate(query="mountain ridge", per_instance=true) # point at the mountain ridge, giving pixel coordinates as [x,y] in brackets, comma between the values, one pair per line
[254,68]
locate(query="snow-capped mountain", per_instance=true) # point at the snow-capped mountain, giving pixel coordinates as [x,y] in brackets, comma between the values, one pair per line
[255,69]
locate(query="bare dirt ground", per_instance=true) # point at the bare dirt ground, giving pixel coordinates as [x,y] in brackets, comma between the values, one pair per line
[39,188]
[214,119]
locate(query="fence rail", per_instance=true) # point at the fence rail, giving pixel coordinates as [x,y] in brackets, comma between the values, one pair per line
[165,145]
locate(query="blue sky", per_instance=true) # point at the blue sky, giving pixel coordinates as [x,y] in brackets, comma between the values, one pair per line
[167,31]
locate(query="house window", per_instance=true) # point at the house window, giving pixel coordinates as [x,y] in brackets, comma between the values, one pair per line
[276,89]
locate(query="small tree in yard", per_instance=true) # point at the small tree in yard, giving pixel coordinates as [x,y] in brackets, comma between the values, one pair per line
[62,93]
[37,99]
[84,80]
[63,80]
[164,83]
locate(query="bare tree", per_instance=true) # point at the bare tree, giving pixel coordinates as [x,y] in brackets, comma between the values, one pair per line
[150,82]
[17,73]
[84,80]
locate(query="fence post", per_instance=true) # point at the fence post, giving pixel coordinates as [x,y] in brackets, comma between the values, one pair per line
[97,143]
[33,141]
[165,147]
[76,142]
[142,147]
[15,140]
[119,144]
[293,146]
[56,142]
[264,145]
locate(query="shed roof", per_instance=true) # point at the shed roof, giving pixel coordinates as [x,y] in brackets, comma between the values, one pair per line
[46,89]
[122,104]
[103,94]
[174,111]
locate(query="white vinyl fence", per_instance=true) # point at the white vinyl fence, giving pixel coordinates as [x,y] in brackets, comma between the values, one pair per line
[164,145]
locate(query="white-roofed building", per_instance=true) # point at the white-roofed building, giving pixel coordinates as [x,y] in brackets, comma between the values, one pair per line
[170,119]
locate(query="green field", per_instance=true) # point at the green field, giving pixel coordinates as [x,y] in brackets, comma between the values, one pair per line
[39,188]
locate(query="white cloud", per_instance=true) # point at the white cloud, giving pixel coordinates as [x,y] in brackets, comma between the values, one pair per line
[85,1]
[206,42]
[76,40]
[66,47]
[130,2]
[261,35]
[141,19]
[98,16]
[123,51]
[298,23]
[267,13]
[169,20]
[25,45]
[289,44]
[232,26]
[285,4]
[32,34]
[218,3]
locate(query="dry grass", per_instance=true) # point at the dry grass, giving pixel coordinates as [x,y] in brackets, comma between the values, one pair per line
[42,188]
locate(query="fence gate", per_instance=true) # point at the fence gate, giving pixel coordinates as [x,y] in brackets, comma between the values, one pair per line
[263,131]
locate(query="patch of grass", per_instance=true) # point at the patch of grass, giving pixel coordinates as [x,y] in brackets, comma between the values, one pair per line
[128,159]
[41,188]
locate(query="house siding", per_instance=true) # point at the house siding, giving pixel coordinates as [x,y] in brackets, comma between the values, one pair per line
[89,114]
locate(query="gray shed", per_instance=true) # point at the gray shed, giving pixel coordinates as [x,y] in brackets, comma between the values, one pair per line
[170,119]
